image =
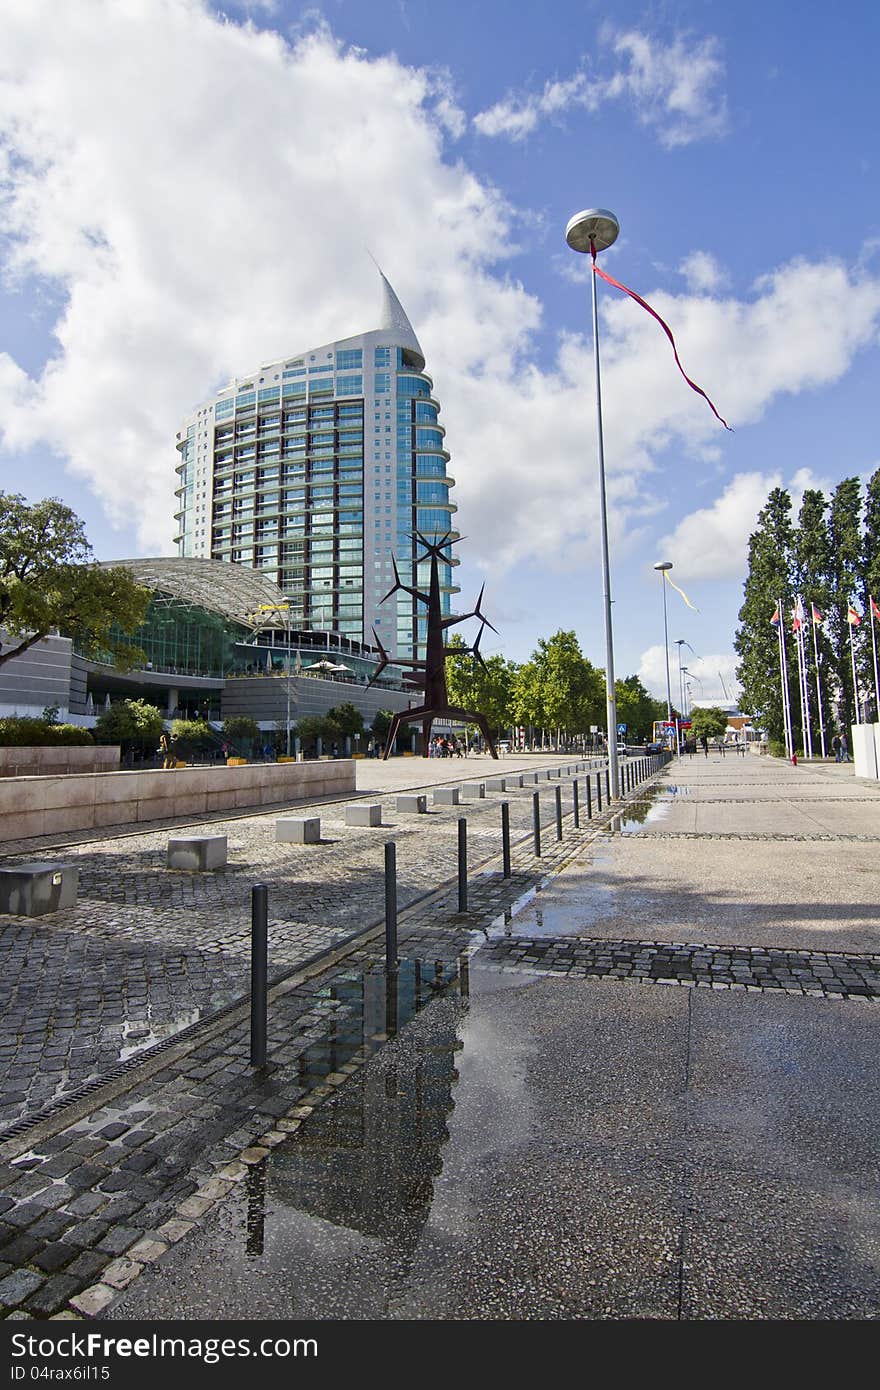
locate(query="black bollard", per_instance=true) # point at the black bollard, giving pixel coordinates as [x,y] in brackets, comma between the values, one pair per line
[559,813]
[462,864]
[391,907]
[589,799]
[576,807]
[599,793]
[259,972]
[536,821]
[505,837]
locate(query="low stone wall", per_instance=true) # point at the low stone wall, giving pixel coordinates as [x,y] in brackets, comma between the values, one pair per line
[48,761]
[31,806]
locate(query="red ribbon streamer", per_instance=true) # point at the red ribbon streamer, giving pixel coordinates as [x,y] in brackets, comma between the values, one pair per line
[666,329]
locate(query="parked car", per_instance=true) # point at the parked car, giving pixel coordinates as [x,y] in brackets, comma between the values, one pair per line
[653,747]
[622,750]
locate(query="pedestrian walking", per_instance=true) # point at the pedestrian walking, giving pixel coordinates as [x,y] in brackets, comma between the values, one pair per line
[844,749]
[704,741]
[835,748]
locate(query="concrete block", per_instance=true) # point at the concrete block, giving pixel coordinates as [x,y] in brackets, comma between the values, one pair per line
[31,890]
[496,784]
[298,830]
[364,814]
[515,781]
[473,791]
[197,853]
[446,796]
[412,805]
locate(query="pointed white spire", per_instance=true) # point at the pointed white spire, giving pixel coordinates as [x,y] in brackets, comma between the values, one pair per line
[395,323]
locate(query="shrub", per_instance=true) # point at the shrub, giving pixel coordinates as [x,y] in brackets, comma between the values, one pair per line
[191,735]
[23,732]
[133,724]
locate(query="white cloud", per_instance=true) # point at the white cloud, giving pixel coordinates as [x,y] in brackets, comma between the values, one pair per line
[712,542]
[199,197]
[709,676]
[671,88]
[702,273]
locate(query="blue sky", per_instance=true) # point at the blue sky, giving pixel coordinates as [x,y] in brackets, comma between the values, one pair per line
[186,193]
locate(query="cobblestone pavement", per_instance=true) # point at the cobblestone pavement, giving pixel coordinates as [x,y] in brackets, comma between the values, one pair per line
[95,1191]
[804,972]
[147,951]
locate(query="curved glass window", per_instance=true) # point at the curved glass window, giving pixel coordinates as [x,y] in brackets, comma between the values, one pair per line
[429,439]
[412,386]
[432,520]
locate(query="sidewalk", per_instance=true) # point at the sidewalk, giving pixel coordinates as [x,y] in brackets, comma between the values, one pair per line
[539,1140]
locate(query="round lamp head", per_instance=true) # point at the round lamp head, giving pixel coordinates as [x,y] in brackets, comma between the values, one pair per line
[595,224]
[664,565]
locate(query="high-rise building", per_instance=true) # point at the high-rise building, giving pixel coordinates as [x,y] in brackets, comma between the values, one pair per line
[317,470]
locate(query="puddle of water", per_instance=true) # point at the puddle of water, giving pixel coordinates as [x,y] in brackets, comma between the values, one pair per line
[137,1035]
[637,814]
[375,1007]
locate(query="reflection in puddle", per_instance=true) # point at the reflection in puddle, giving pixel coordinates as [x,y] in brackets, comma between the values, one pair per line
[139,1034]
[362,1166]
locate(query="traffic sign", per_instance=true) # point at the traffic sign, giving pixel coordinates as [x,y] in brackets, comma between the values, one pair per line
[621,728]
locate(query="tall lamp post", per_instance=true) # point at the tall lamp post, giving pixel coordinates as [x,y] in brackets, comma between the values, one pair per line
[589,232]
[663,566]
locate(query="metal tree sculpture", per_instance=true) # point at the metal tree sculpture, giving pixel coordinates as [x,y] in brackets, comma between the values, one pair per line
[430,675]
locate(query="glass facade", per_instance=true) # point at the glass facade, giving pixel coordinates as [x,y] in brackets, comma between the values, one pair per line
[316,472]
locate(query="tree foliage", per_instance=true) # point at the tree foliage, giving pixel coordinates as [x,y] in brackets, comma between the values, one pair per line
[637,709]
[710,722]
[830,558]
[486,687]
[558,688]
[131,723]
[345,720]
[48,584]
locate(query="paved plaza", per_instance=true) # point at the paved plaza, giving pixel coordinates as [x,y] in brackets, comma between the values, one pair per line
[636,1078]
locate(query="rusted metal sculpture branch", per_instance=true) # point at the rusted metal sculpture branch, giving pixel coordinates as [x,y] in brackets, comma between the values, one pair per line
[429,674]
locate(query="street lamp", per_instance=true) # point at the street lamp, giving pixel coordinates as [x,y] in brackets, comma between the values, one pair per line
[663,566]
[589,232]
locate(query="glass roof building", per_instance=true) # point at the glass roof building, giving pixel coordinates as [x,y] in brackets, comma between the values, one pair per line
[316,470]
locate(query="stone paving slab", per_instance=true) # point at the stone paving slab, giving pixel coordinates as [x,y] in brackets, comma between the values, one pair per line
[585,1149]
[144,1162]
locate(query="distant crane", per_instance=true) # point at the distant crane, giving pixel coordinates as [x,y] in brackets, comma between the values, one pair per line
[723,687]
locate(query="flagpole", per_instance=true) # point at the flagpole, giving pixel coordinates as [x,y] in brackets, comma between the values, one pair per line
[806,677]
[783,681]
[871,606]
[852,655]
[796,632]
[818,686]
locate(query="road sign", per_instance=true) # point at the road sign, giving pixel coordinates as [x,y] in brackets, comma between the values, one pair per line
[621,728]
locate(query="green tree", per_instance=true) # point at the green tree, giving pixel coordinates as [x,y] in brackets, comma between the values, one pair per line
[871,571]
[637,709]
[847,582]
[134,724]
[241,732]
[711,722]
[346,720]
[559,688]
[812,565]
[48,584]
[312,727]
[191,736]
[485,686]
[768,583]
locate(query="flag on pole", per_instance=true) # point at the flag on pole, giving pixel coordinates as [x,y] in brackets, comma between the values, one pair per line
[875,611]
[797,616]
[775,619]
[817,616]
[852,617]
